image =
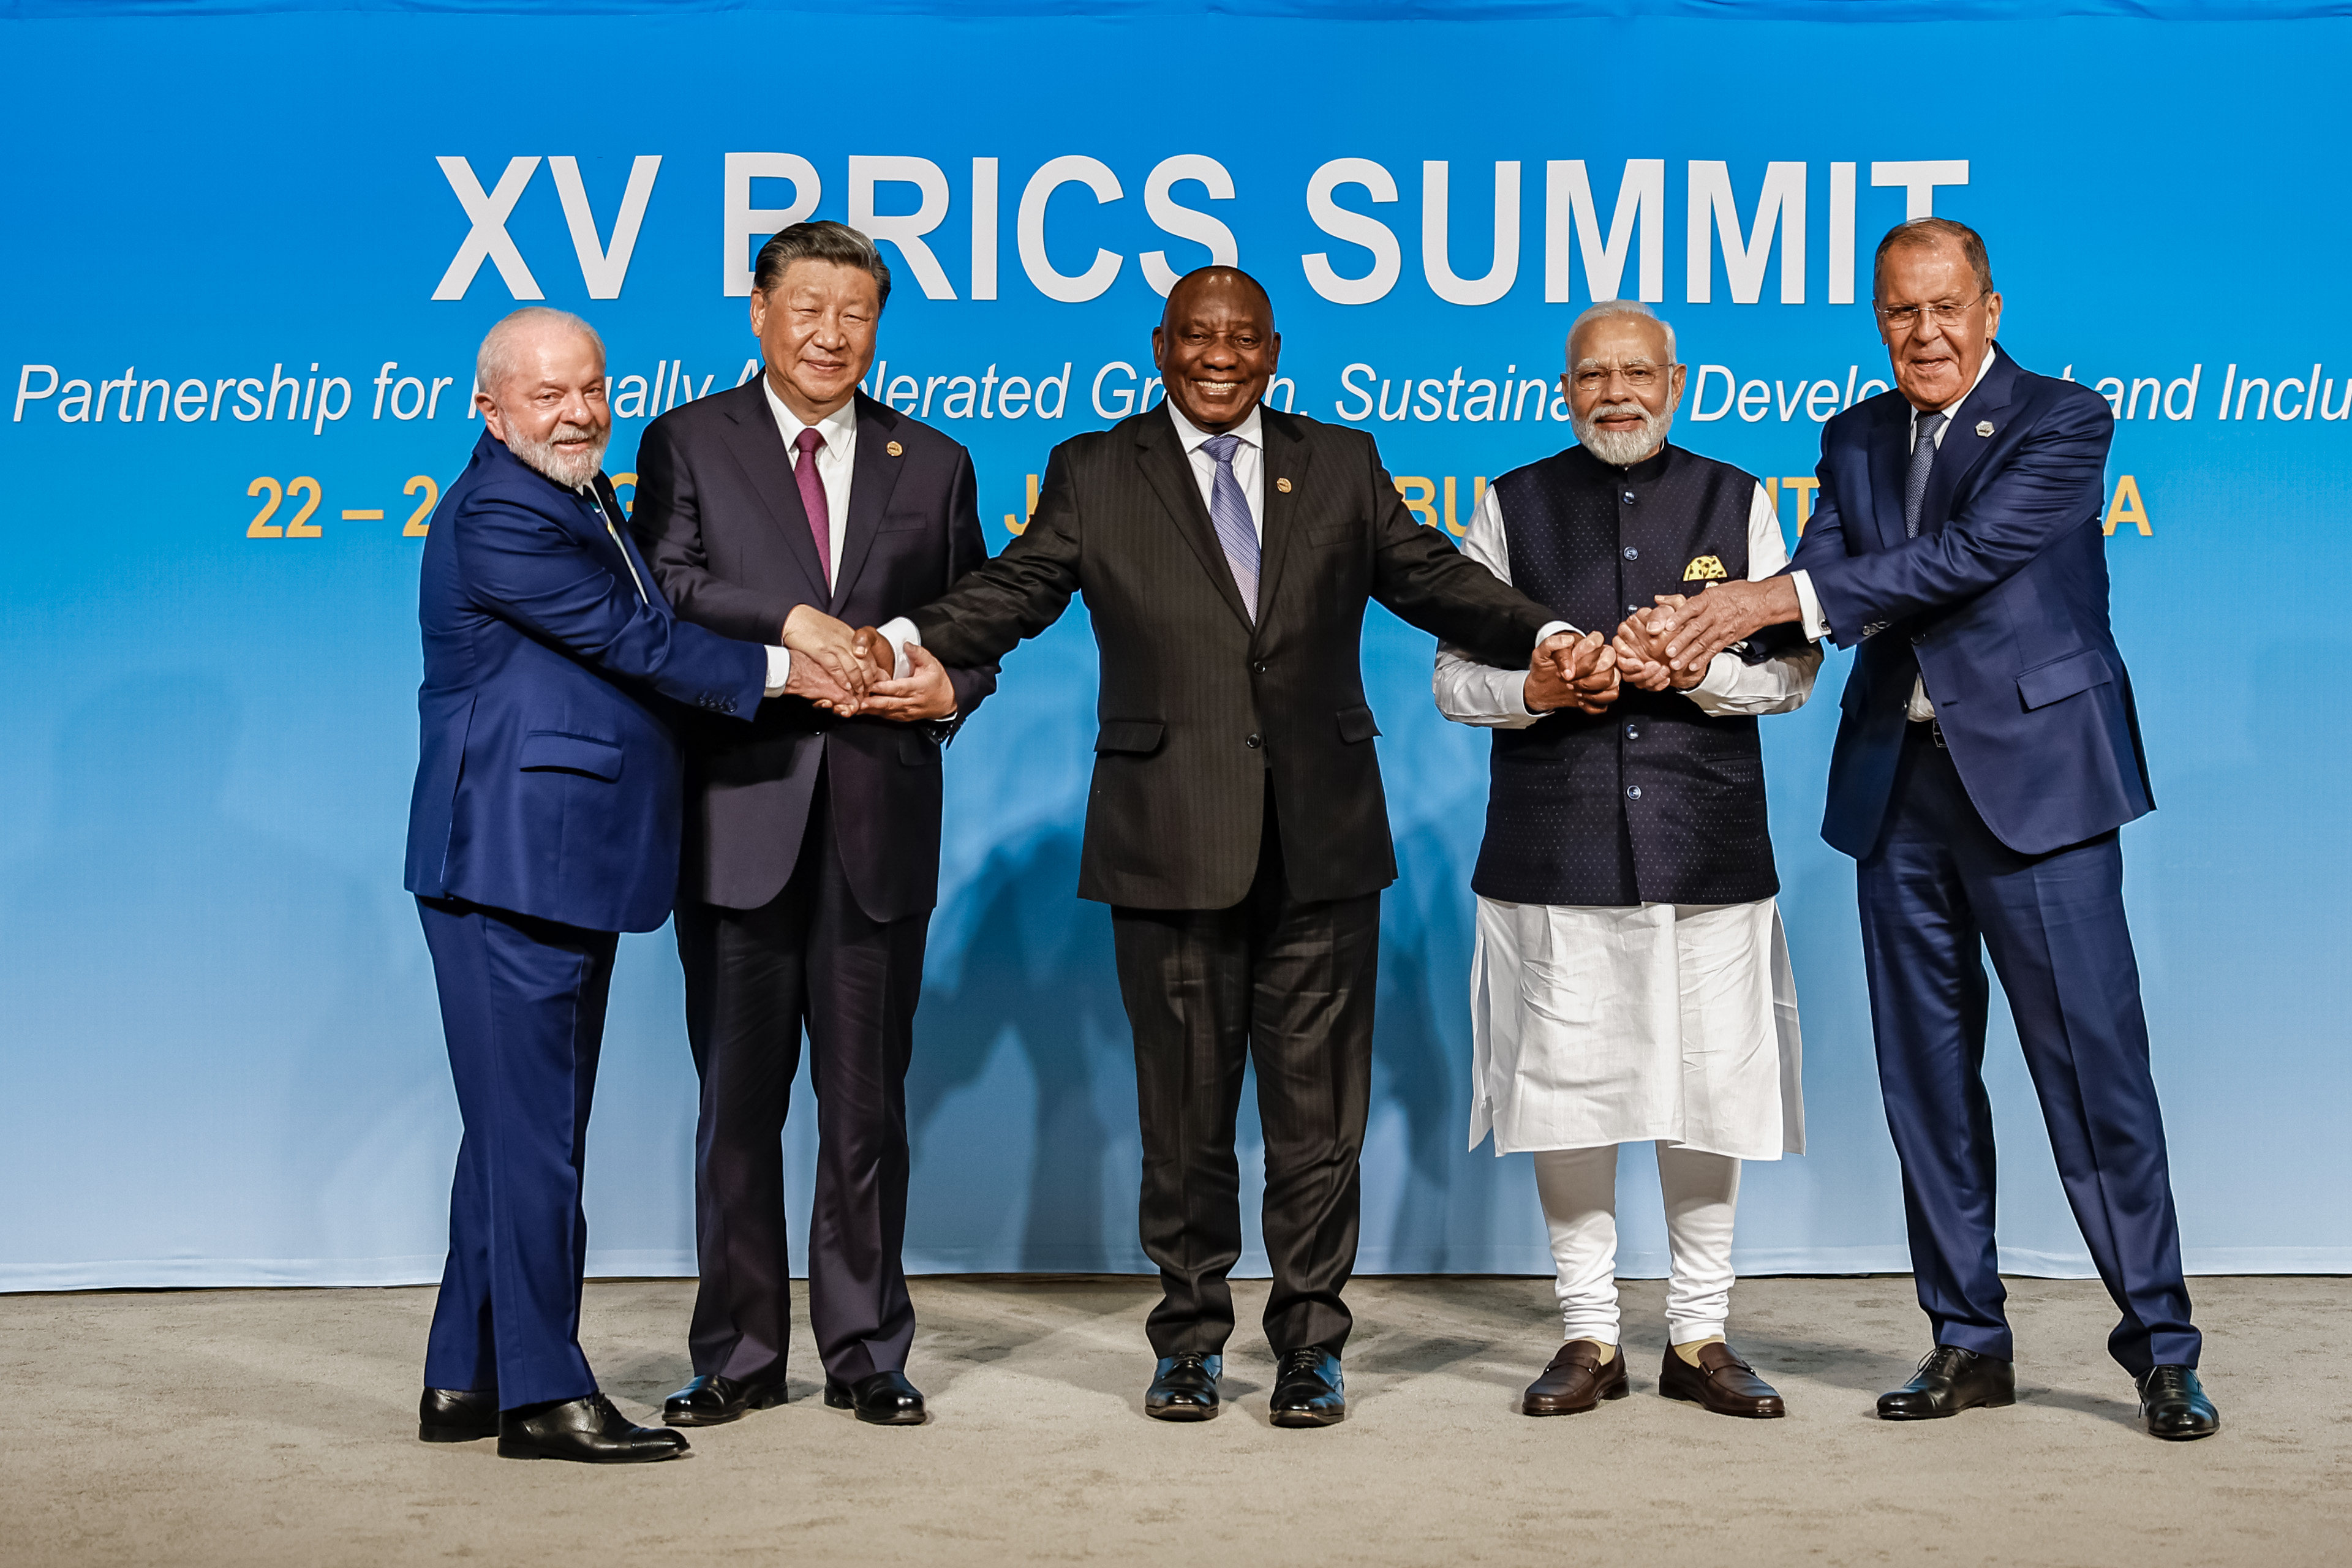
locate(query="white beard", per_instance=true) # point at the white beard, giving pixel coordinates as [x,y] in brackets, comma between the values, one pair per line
[570,469]
[1623,448]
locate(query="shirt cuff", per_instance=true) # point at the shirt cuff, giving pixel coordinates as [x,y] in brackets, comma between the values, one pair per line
[1721,679]
[1550,628]
[898,632]
[1809,602]
[780,670]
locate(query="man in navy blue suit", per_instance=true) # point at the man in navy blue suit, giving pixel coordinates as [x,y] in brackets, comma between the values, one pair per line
[545,821]
[1990,751]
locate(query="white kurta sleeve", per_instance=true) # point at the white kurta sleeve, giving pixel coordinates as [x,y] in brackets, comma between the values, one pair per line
[1467,692]
[1779,684]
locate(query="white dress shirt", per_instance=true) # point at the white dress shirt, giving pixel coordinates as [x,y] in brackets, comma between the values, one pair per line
[1249,463]
[780,660]
[1818,626]
[835,462]
[1470,693]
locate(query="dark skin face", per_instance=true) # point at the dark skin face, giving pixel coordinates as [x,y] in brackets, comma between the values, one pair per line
[1216,347]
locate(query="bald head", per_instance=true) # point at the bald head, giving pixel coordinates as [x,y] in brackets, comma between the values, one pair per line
[1216,346]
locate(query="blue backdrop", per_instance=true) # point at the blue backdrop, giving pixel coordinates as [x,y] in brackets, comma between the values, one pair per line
[249,256]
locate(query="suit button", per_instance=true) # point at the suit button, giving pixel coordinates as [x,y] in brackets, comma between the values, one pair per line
[1629,498]
[1633,609]
[1253,741]
[1633,731]
[1632,792]
[1259,666]
[1631,554]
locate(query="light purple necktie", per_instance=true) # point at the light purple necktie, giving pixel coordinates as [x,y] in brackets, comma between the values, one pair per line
[813,498]
[1229,510]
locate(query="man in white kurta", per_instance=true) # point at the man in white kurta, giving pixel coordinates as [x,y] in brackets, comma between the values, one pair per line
[1664,1011]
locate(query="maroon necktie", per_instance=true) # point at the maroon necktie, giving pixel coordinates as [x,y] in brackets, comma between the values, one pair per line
[812,498]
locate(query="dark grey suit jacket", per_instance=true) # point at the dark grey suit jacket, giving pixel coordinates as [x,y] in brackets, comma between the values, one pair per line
[719,516]
[1197,702]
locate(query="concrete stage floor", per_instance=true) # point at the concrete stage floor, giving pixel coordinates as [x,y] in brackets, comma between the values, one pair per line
[277,1426]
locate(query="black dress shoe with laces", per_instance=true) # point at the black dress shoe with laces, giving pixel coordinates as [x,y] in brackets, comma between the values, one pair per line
[457,1415]
[1309,1390]
[711,1400]
[2173,1404]
[1184,1388]
[885,1399]
[1950,1380]
[587,1430]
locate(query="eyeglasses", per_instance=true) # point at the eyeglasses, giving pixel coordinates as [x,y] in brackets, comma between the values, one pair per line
[1640,378]
[1903,318]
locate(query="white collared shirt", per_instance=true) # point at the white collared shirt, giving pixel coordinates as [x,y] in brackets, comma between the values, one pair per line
[1249,462]
[835,461]
[1921,709]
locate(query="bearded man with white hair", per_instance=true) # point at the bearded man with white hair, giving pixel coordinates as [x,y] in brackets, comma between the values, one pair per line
[545,821]
[1631,982]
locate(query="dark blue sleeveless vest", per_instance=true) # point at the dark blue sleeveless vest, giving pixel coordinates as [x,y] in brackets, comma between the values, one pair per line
[1650,801]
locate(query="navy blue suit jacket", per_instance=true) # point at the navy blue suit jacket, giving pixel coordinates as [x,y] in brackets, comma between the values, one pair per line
[549,778]
[2000,602]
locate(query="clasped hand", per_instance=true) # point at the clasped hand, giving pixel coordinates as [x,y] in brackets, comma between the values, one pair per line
[1585,673]
[848,673]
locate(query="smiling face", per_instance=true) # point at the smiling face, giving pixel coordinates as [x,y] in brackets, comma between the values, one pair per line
[1622,387]
[1936,318]
[1216,347]
[548,407]
[817,328]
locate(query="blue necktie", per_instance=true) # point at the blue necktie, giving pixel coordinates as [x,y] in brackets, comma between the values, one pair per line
[1229,509]
[1923,458]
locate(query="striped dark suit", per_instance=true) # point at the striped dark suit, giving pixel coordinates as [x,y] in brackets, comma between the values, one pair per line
[1236,824]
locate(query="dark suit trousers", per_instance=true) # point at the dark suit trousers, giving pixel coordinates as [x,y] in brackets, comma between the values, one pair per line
[1938,892]
[523,1006]
[1289,986]
[754,979]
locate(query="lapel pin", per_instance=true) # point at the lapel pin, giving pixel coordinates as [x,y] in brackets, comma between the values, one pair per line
[1984,427]
[1282,485]
[896,451]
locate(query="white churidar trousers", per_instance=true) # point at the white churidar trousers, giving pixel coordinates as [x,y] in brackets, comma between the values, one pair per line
[1578,1189]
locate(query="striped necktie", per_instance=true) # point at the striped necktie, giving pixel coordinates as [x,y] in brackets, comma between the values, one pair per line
[1229,509]
[1923,458]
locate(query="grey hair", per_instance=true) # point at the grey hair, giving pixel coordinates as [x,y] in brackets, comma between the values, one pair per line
[1603,310]
[495,360]
[824,240]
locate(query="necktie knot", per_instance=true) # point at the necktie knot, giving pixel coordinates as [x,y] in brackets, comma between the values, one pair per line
[808,441]
[1931,424]
[1222,447]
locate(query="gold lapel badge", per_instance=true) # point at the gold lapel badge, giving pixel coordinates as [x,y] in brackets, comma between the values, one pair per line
[1282,485]
[1705,569]
[1984,427]
[896,451]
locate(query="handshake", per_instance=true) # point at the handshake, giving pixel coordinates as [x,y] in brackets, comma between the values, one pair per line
[848,672]
[1585,673]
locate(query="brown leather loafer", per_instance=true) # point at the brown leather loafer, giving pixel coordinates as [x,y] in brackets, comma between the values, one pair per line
[1721,1381]
[1577,1379]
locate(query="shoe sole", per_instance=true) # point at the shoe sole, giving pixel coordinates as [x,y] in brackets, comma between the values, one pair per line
[1181,1412]
[767,1401]
[1305,1418]
[2002,1404]
[426,1433]
[1620,1392]
[1680,1397]
[509,1449]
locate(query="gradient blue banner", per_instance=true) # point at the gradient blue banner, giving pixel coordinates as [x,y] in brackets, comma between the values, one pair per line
[249,259]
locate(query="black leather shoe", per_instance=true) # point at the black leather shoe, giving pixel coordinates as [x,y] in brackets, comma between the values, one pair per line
[1950,1380]
[457,1415]
[1184,1388]
[588,1430]
[711,1400]
[2173,1404]
[1309,1390]
[885,1399]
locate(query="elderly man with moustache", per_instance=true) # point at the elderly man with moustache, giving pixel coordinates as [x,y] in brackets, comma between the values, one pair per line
[1236,826]
[544,822]
[1988,753]
[1631,982]
[813,833]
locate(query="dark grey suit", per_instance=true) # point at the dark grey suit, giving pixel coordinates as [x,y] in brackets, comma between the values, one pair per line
[811,867]
[1236,822]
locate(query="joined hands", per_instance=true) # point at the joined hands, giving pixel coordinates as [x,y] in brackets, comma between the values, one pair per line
[848,673]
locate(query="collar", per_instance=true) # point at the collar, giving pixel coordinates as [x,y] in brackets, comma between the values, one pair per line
[1251,429]
[1992,352]
[833,429]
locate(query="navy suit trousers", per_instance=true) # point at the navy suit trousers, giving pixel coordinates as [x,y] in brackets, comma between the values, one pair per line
[523,1004]
[1938,892]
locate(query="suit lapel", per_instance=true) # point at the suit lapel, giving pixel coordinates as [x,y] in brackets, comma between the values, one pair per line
[758,447]
[1286,457]
[636,561]
[1890,454]
[1164,464]
[871,477]
[1963,448]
